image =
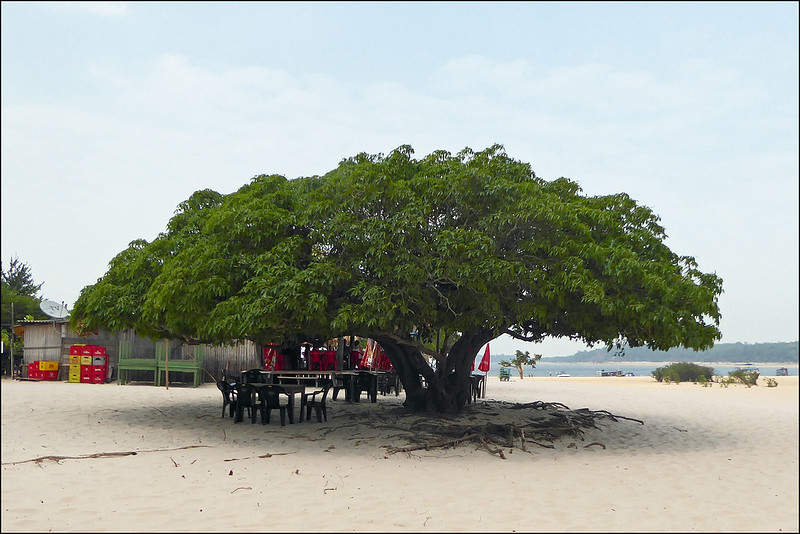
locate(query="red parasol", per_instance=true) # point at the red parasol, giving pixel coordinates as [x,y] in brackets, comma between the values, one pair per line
[484,365]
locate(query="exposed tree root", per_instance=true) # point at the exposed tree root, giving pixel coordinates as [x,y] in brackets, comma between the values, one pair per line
[546,422]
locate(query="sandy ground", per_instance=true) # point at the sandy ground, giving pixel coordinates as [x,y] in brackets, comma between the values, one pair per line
[706,459]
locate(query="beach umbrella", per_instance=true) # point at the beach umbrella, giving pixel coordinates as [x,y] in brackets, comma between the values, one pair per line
[484,365]
[366,359]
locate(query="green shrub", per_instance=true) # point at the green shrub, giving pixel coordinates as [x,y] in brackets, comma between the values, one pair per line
[683,372]
[772,383]
[703,381]
[748,378]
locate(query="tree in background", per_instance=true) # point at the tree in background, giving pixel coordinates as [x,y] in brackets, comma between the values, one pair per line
[19,278]
[17,287]
[521,359]
[432,258]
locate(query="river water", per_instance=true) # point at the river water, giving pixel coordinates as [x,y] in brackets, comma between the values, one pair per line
[637,368]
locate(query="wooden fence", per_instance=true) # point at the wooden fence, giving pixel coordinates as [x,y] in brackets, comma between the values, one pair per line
[51,342]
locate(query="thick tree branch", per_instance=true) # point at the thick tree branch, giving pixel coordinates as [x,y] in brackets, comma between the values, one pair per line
[515,335]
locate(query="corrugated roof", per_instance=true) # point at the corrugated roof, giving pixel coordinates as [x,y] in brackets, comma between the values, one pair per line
[43,321]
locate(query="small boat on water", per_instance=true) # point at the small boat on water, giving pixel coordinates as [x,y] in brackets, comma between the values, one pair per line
[748,367]
[782,371]
[603,372]
[562,374]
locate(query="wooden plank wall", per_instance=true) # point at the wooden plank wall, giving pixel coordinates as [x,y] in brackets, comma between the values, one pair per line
[236,358]
[43,342]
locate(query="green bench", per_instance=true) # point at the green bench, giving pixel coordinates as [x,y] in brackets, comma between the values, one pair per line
[192,365]
[126,363]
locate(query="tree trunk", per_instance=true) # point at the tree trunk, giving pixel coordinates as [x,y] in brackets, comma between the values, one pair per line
[446,388]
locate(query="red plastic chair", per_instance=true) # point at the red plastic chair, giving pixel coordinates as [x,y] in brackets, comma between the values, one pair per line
[329,363]
[315,360]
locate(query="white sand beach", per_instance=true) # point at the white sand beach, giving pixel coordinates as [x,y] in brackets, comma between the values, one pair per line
[706,459]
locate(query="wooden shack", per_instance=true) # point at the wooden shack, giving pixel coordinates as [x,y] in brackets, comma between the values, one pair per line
[50,340]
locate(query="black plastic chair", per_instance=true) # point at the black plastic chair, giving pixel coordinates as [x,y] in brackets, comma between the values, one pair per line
[316,400]
[387,381]
[254,376]
[228,396]
[269,398]
[227,377]
[475,388]
[338,384]
[367,382]
[244,399]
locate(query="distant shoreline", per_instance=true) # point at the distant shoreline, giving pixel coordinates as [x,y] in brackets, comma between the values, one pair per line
[722,354]
[651,364]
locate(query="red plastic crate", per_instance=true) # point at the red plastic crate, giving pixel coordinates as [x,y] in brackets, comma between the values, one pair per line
[86,350]
[97,350]
[86,370]
[99,368]
[86,379]
[48,375]
[98,377]
[76,349]
[33,370]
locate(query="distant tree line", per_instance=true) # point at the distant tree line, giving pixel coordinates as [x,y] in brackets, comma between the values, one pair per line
[17,288]
[724,352]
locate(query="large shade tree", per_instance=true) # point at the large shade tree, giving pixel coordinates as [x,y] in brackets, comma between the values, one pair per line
[431,257]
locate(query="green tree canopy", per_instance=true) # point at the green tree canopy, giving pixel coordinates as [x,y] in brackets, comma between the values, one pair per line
[432,257]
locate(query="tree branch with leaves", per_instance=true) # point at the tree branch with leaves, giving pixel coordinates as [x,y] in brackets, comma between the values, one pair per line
[520,360]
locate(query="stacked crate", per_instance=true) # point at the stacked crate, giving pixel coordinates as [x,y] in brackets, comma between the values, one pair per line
[48,370]
[99,365]
[86,364]
[75,363]
[43,370]
[33,370]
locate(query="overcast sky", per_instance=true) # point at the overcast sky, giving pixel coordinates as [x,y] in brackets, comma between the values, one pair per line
[113,113]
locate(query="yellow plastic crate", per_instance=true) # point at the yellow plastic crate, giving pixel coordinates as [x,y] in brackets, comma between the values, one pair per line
[75,368]
[74,377]
[48,366]
[74,359]
[86,360]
